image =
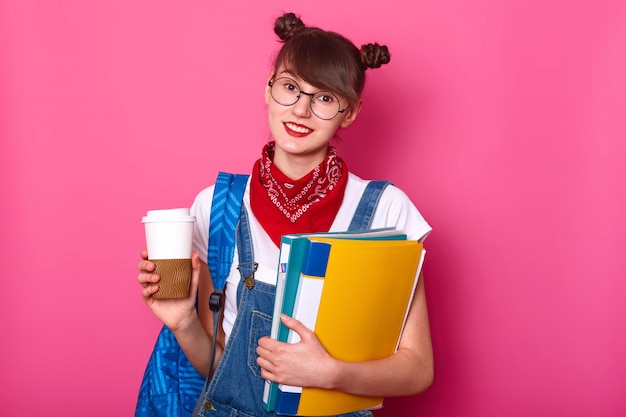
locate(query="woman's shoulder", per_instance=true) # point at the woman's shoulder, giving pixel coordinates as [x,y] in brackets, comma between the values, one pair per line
[203,199]
[391,193]
[395,208]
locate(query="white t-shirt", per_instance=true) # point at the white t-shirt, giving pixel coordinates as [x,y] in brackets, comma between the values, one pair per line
[394,209]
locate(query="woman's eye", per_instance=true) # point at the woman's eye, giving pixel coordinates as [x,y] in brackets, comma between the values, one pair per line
[325,98]
[290,87]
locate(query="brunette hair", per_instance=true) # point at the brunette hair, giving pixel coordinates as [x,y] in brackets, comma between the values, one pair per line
[326,59]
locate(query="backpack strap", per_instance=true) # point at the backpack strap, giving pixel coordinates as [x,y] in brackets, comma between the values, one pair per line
[226,208]
[364,213]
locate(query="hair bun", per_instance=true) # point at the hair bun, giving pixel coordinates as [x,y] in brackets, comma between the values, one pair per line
[287,25]
[374,55]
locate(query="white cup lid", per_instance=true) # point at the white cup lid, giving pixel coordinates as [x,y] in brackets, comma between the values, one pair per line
[168,215]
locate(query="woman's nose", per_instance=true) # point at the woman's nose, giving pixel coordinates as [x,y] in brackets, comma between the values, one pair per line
[302,107]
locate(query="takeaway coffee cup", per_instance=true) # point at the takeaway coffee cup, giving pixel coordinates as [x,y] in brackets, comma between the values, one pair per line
[168,239]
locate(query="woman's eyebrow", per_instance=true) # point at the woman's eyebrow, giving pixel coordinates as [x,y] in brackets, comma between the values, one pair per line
[289,72]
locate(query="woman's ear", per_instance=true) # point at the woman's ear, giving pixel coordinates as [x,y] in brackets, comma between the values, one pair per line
[353,112]
[268,88]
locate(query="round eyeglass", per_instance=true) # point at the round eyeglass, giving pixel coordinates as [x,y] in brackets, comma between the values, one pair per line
[286,92]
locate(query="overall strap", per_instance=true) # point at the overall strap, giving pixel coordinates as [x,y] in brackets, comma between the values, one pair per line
[247,267]
[364,213]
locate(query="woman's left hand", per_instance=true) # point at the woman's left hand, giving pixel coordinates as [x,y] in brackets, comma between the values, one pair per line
[302,364]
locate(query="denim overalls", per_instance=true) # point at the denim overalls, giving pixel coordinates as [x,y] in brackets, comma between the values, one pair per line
[236,389]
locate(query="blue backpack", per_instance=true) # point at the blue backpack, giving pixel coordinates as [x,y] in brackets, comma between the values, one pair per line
[171,387]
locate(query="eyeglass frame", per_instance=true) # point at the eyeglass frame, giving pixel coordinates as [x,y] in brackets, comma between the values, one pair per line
[270,83]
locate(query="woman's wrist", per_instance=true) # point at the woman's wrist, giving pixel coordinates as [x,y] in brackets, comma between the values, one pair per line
[334,374]
[186,324]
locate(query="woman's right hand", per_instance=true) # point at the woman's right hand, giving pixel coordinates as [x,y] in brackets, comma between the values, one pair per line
[174,313]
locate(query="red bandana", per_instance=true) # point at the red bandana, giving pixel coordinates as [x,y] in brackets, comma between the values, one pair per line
[309,204]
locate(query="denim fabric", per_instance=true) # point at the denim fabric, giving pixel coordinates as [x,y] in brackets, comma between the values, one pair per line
[362,218]
[236,389]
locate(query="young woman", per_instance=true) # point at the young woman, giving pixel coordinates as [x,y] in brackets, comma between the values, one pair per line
[298,185]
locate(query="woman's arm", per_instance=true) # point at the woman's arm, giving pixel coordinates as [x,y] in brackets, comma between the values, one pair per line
[193,330]
[307,364]
[205,289]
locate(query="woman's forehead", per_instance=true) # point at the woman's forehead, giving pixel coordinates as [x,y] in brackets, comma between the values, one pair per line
[287,72]
[304,85]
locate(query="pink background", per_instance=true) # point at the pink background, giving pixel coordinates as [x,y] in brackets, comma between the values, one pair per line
[503,120]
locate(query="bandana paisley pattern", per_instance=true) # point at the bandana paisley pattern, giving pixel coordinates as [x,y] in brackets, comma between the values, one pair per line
[288,199]
[308,204]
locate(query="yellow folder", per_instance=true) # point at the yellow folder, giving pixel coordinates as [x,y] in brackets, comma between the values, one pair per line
[364,289]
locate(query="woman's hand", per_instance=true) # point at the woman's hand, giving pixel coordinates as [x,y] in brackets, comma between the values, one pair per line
[307,364]
[172,312]
[303,364]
